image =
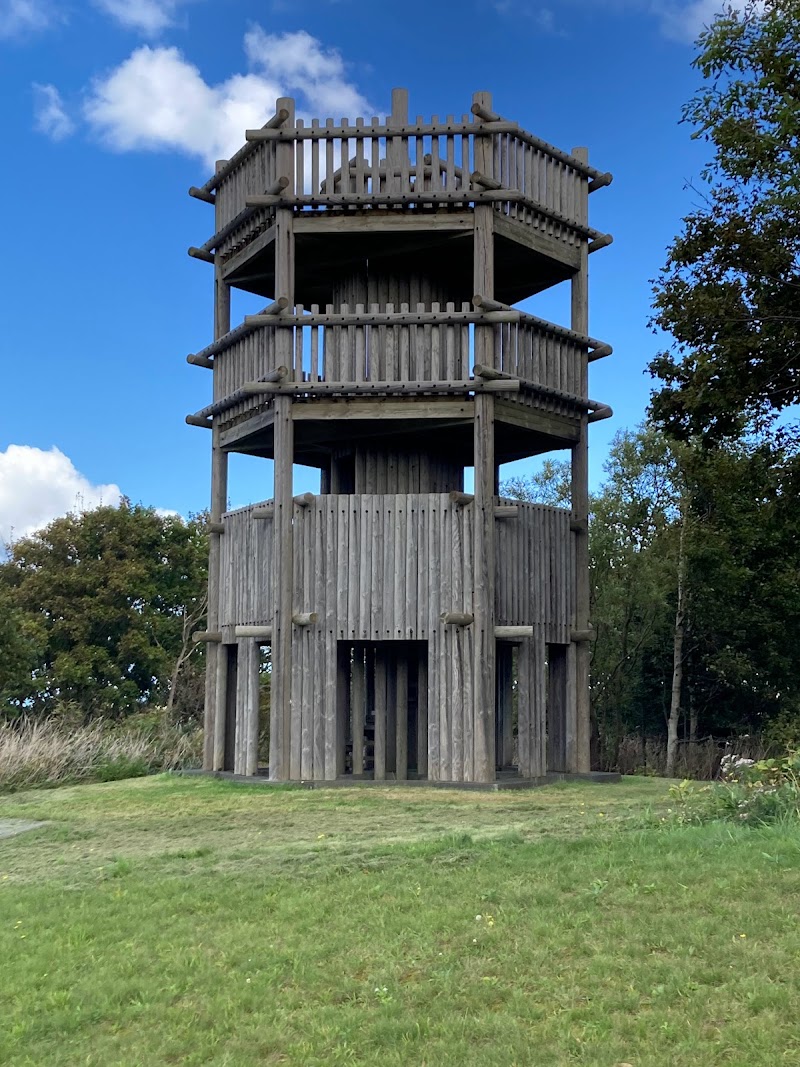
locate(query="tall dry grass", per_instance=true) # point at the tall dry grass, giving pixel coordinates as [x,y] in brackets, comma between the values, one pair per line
[52,752]
[696,759]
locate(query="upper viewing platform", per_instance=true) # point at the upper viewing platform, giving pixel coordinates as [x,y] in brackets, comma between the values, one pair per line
[396,189]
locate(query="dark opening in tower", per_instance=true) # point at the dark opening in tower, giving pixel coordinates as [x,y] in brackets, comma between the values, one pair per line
[382,709]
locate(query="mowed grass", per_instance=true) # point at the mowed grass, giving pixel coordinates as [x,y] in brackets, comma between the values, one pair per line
[189,921]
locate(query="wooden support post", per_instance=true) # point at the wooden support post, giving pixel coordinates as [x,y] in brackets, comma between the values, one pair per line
[344,704]
[359,705]
[401,715]
[422,714]
[484,461]
[216,658]
[283,543]
[578,746]
[505,724]
[380,712]
[253,706]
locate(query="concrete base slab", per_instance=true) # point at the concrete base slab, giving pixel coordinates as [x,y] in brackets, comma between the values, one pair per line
[505,780]
[12,827]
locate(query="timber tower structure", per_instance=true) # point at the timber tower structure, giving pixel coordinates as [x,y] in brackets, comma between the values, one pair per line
[415,630]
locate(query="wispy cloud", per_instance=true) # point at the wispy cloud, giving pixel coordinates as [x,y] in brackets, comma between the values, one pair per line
[21,17]
[50,116]
[684,21]
[156,100]
[148,17]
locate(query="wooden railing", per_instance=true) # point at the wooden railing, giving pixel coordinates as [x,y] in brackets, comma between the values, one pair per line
[429,165]
[427,343]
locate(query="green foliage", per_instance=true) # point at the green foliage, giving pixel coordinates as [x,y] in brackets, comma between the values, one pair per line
[99,601]
[172,920]
[550,485]
[730,291]
[749,791]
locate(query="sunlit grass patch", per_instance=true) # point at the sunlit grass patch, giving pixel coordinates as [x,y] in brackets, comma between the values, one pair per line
[190,921]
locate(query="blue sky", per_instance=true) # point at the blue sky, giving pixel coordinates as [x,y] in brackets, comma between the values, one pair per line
[111,109]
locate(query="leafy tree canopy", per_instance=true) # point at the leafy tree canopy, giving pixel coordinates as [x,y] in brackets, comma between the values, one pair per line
[729,293]
[99,600]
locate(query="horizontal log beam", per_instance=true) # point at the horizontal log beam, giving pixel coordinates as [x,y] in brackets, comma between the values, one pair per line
[201,194]
[602,240]
[401,130]
[486,304]
[484,181]
[305,618]
[197,420]
[263,633]
[215,527]
[488,196]
[199,253]
[383,318]
[200,361]
[304,500]
[457,497]
[465,385]
[599,412]
[512,633]
[506,511]
[581,637]
[220,406]
[579,526]
[263,511]
[457,618]
[240,332]
[206,637]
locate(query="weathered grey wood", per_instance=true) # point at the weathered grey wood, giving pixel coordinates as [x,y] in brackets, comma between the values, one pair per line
[305,618]
[216,662]
[422,716]
[512,633]
[381,710]
[579,322]
[505,680]
[258,633]
[457,618]
[483,674]
[207,637]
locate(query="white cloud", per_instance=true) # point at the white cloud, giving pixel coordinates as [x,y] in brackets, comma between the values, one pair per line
[685,21]
[18,17]
[149,17]
[38,486]
[51,118]
[157,100]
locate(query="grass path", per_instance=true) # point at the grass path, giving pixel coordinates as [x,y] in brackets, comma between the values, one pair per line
[185,921]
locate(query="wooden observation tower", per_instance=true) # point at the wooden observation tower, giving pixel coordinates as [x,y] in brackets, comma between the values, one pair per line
[416,630]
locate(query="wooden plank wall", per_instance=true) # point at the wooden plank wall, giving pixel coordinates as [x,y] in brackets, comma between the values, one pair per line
[373,549]
[361,563]
[534,354]
[543,179]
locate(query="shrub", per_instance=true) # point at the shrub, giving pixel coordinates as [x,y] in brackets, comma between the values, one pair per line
[748,791]
[57,752]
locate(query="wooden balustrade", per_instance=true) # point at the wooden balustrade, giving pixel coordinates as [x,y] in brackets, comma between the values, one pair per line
[340,165]
[381,343]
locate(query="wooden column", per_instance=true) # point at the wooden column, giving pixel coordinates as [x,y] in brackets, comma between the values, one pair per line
[578,730]
[422,714]
[359,705]
[216,657]
[401,717]
[247,697]
[505,725]
[283,555]
[556,707]
[484,460]
[380,713]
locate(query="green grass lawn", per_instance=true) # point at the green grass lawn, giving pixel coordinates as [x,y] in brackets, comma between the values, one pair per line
[187,921]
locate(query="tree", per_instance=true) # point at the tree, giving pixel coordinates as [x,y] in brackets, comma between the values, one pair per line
[729,293]
[103,597]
